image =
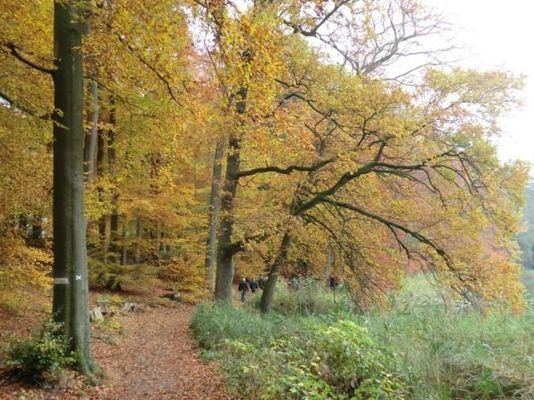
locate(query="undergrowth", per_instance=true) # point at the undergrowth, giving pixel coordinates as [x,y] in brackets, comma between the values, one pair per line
[41,356]
[314,347]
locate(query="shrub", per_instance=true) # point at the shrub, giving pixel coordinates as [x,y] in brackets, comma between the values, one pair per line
[40,356]
[354,364]
[277,357]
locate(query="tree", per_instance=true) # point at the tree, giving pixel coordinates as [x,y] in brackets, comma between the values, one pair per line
[414,170]
[70,303]
[71,292]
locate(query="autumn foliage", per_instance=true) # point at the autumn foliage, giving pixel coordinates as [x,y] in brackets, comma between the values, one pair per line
[368,174]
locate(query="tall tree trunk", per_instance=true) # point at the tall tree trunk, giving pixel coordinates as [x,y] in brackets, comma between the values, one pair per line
[281,258]
[214,206]
[328,264]
[225,270]
[138,236]
[114,236]
[225,250]
[113,249]
[70,302]
[124,248]
[92,137]
[103,223]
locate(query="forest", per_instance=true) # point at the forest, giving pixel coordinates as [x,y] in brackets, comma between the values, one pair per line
[160,156]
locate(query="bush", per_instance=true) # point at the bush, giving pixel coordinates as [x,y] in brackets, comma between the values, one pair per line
[416,350]
[276,357]
[354,364]
[40,356]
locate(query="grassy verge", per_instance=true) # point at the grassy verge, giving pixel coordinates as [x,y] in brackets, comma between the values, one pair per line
[314,347]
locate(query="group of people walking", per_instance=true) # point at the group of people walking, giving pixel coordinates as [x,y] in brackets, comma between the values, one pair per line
[248,284]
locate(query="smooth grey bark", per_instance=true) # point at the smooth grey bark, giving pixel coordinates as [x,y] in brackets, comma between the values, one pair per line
[213,214]
[71,292]
[281,258]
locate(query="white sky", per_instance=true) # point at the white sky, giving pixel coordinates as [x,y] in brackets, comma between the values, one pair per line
[500,34]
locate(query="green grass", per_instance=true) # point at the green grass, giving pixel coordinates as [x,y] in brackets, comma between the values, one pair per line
[462,356]
[314,347]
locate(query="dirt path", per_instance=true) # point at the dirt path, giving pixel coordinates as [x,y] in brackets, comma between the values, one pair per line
[157,359]
[154,358]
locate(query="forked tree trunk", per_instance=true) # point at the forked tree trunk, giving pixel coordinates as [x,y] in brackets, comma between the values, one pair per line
[214,206]
[281,258]
[70,302]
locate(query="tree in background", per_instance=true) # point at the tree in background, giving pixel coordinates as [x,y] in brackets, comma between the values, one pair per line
[526,238]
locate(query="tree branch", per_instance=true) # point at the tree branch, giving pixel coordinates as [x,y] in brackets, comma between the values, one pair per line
[14,51]
[236,247]
[393,225]
[26,110]
[285,171]
[313,31]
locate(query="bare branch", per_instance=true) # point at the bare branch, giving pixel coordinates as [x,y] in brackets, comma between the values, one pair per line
[313,31]
[393,225]
[287,170]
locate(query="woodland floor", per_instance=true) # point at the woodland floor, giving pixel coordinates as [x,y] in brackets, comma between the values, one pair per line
[148,354]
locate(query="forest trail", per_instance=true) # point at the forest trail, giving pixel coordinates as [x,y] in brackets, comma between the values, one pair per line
[157,358]
[151,356]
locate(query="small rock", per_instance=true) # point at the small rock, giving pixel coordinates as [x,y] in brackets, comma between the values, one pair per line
[130,307]
[96,314]
[103,304]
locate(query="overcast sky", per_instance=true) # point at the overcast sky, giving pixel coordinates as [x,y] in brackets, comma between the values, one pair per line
[500,34]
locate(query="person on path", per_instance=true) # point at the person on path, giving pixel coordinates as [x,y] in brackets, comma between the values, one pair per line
[332,282]
[243,288]
[294,283]
[253,285]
